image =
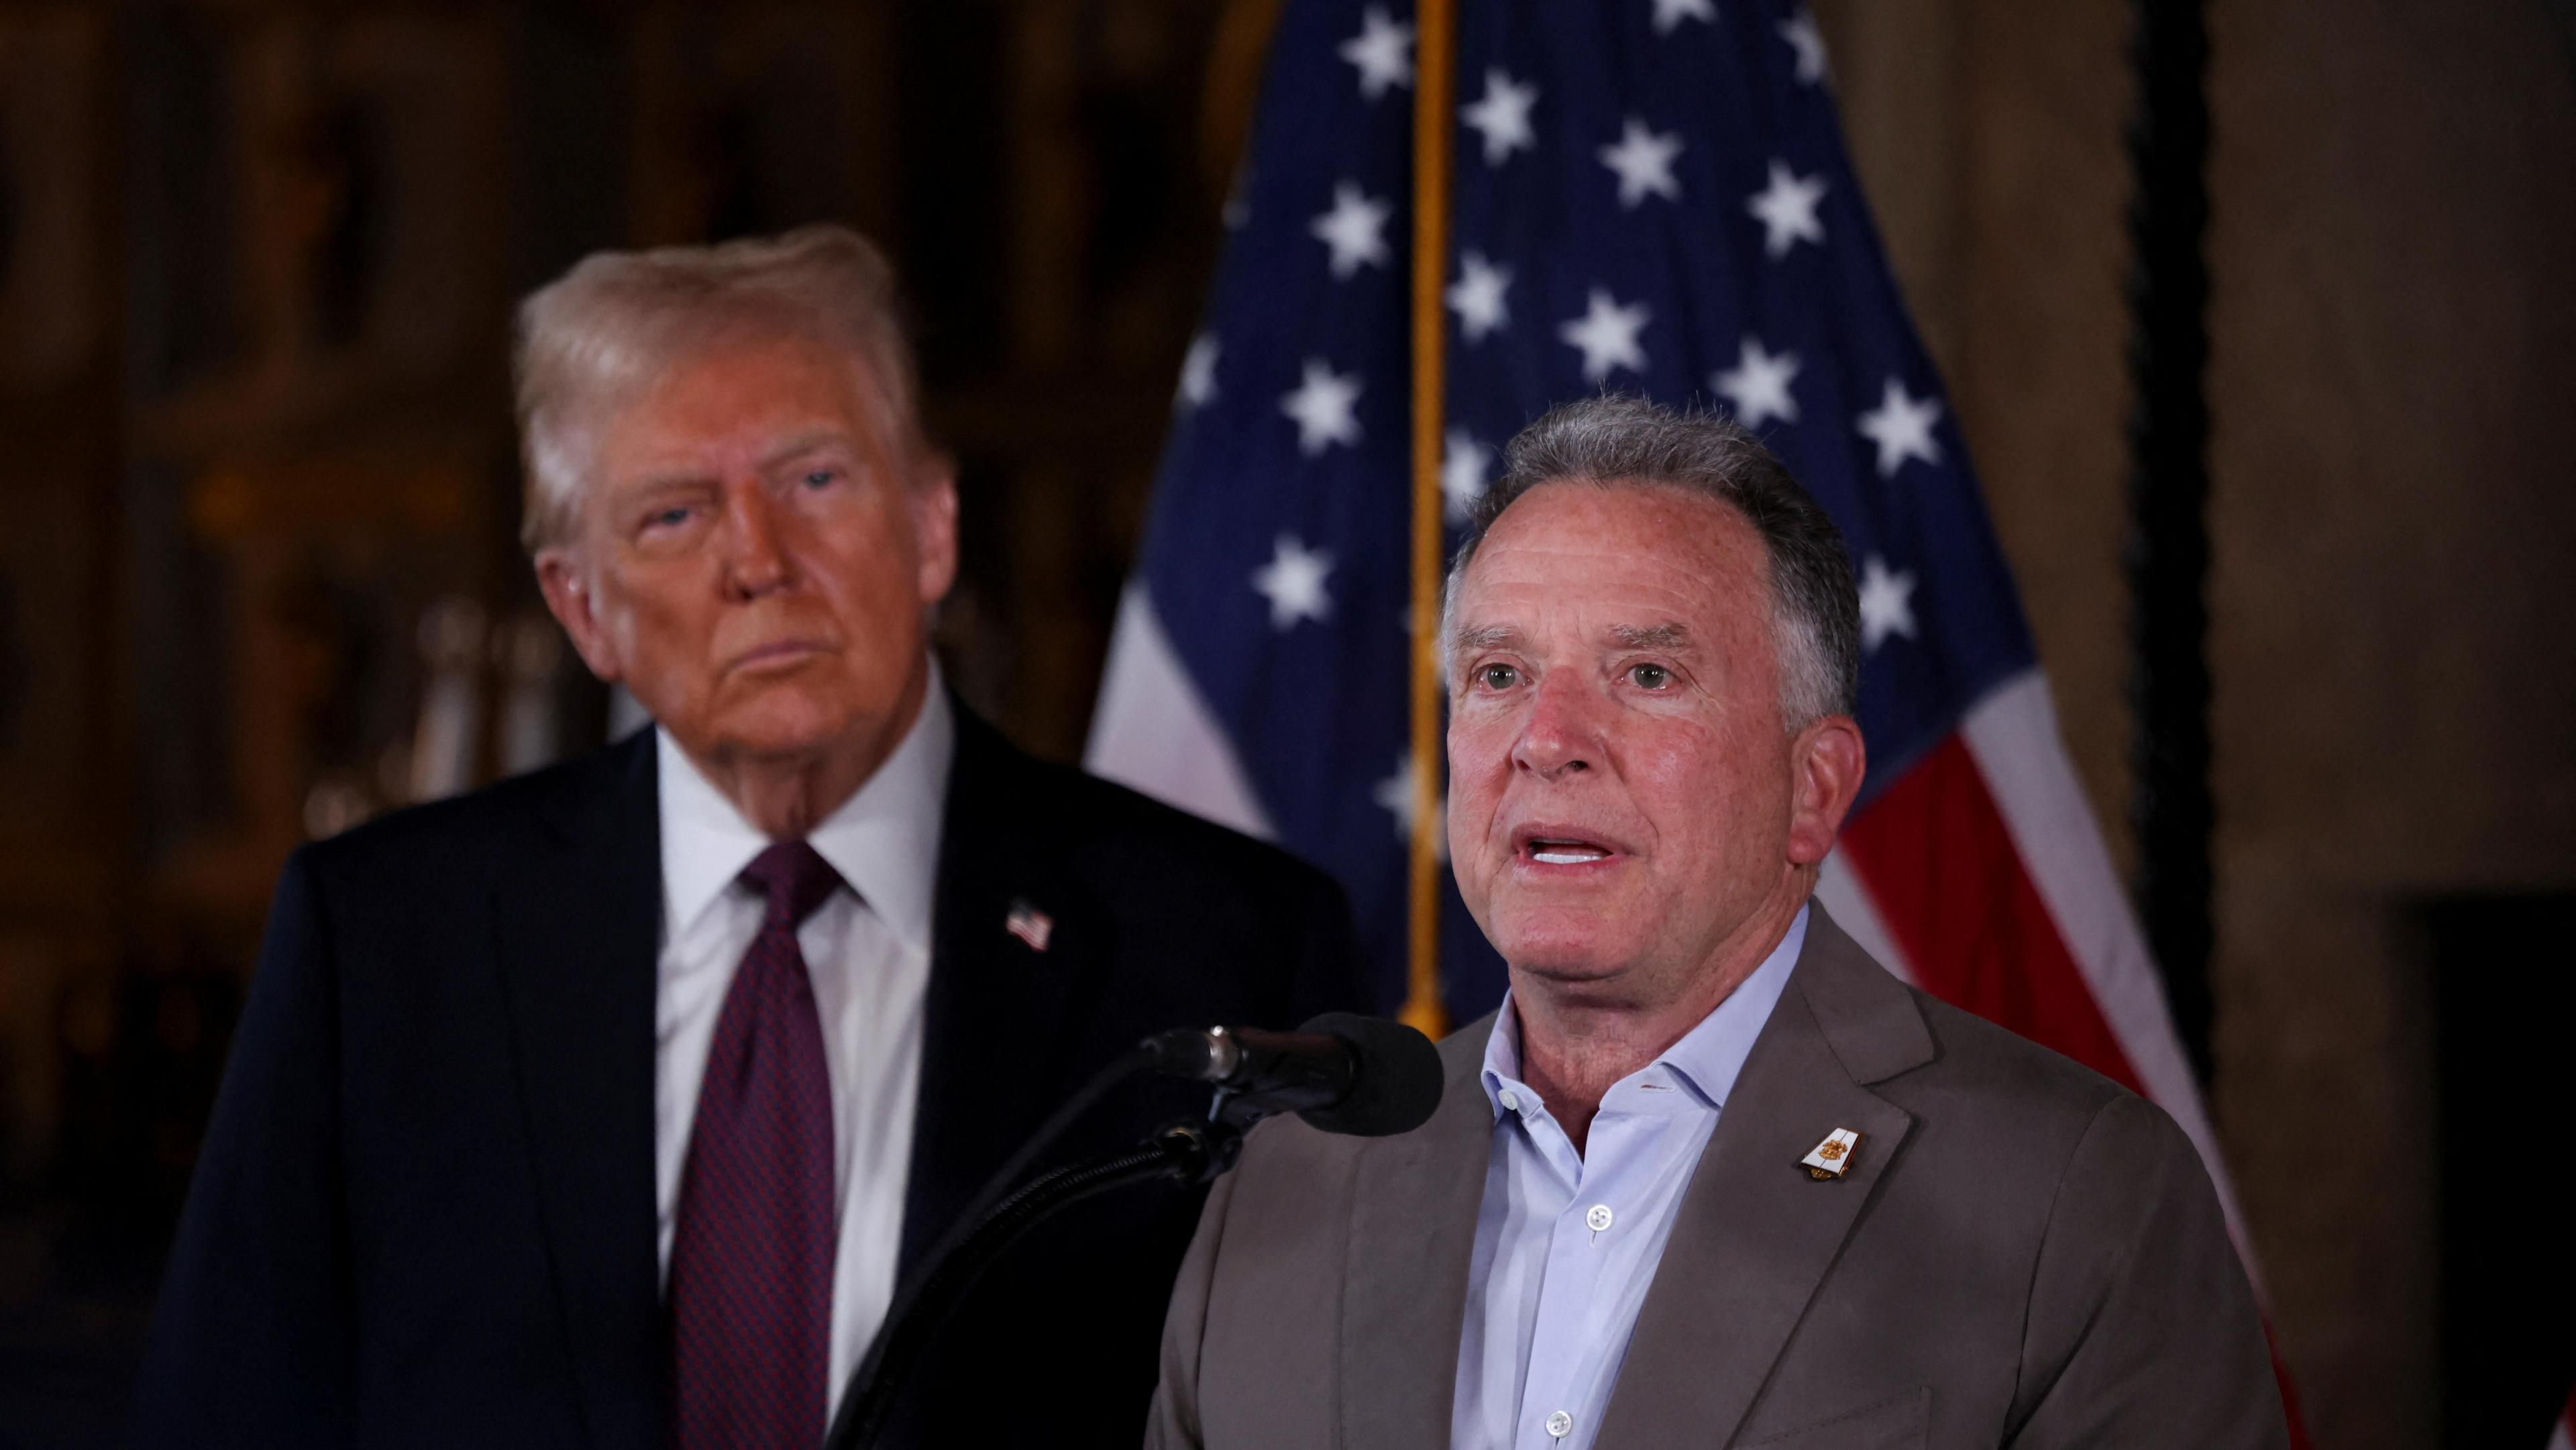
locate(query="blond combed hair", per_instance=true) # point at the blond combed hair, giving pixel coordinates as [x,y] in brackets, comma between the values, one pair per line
[599,335]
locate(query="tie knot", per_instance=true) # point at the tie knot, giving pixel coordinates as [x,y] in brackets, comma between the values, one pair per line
[795,878]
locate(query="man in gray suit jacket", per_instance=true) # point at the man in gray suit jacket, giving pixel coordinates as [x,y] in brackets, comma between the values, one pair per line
[1710,1176]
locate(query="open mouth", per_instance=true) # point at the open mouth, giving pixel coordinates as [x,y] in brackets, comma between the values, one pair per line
[1557,850]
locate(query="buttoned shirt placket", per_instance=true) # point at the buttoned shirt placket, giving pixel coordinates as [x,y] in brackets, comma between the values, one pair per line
[1647,1134]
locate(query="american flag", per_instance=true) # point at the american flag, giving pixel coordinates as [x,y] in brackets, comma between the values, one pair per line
[1649,196]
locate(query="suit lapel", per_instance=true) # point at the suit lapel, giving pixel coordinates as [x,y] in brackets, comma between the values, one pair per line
[577,924]
[1413,1229]
[1000,1018]
[1756,1234]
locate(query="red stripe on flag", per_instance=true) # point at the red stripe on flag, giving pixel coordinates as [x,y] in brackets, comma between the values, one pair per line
[1936,858]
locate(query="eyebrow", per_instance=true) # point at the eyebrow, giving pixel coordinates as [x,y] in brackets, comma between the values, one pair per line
[804,443]
[680,476]
[1667,636]
[1488,636]
[645,485]
[1652,636]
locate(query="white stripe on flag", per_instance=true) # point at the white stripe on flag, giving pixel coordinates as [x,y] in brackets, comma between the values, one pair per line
[1151,730]
[1849,904]
[2012,735]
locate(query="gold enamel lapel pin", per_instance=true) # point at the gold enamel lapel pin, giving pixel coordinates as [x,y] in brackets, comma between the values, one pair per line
[1829,1158]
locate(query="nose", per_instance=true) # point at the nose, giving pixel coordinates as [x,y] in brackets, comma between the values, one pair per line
[756,561]
[1561,735]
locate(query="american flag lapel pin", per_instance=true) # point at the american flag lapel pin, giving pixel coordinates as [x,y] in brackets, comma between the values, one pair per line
[1029,924]
[1829,1158]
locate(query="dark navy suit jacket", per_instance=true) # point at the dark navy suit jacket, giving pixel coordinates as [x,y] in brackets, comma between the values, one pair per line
[424,1214]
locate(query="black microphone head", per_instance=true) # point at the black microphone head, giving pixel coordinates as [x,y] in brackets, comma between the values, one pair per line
[1396,1085]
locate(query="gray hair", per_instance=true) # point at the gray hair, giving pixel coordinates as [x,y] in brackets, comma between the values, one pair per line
[1620,441]
[593,338]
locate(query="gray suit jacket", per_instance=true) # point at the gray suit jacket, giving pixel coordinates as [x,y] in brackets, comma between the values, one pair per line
[2021,1253]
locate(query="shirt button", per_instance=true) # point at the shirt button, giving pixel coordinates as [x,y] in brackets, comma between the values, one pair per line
[1511,1100]
[1560,1424]
[1598,1219]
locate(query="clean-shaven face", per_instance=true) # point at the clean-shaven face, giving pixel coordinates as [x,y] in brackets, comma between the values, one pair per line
[1621,784]
[755,556]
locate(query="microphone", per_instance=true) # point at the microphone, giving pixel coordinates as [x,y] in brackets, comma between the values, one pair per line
[1341,1072]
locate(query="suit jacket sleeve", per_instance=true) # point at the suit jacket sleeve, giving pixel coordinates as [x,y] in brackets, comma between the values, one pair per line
[1173,1421]
[251,1344]
[2142,1328]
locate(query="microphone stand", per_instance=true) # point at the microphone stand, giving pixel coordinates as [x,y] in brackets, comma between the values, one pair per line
[1186,1152]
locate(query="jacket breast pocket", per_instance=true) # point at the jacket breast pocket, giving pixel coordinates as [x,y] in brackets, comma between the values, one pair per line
[1900,1422]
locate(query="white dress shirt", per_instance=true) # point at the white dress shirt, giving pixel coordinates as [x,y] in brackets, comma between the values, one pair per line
[1567,1242]
[867,950]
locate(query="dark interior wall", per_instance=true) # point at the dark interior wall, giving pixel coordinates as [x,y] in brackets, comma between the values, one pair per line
[257,262]
[2396,356]
[2394,335]
[2501,1001]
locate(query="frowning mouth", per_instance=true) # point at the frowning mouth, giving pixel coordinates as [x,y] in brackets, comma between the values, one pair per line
[781,652]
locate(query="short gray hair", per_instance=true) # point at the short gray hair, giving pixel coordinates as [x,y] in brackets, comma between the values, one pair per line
[1621,441]
[604,330]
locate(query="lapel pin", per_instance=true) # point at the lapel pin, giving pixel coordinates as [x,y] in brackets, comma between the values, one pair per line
[1029,924]
[1829,1158]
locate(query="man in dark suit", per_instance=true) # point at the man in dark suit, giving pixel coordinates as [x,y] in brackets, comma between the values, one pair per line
[1711,1176]
[605,1107]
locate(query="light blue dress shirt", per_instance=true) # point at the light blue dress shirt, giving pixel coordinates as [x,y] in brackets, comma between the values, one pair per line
[1566,1243]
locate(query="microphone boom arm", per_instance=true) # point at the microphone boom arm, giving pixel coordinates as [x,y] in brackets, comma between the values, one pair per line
[1185,1152]
[1342,1073]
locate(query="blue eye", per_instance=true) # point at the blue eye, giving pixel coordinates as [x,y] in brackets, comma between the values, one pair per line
[1497,677]
[670,518]
[1650,677]
[821,477]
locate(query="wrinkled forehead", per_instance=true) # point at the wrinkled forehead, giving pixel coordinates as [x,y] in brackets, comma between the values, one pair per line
[746,390]
[1622,561]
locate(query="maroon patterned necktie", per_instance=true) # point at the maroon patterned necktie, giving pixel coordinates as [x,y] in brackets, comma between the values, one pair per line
[751,1256]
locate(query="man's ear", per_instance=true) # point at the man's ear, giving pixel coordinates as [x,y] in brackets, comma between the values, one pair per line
[569,599]
[934,525]
[1829,761]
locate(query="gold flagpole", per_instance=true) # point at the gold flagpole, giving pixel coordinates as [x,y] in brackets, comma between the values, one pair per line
[1434,50]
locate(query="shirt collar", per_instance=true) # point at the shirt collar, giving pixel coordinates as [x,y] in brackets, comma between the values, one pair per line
[1708,1058]
[884,840]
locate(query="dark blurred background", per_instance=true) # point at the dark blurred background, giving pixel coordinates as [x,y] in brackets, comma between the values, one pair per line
[259,578]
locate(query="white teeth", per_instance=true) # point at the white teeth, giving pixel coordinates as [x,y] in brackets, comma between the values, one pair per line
[1567,858]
